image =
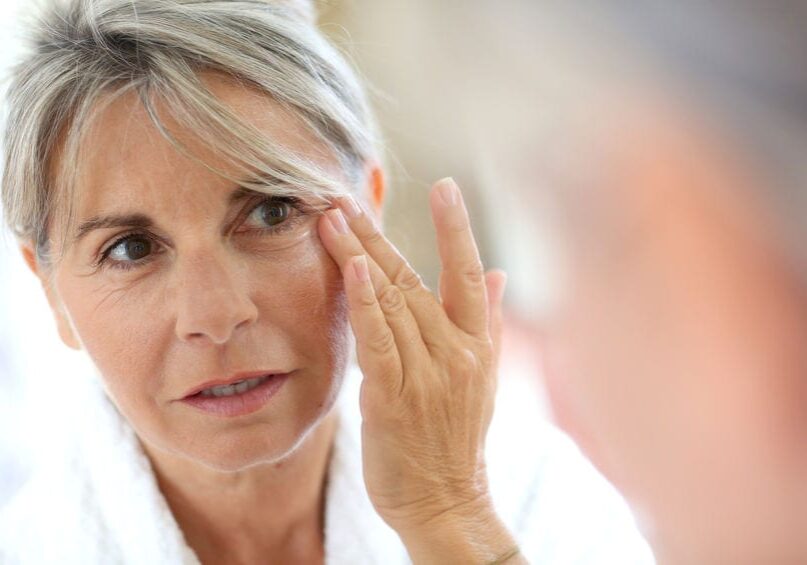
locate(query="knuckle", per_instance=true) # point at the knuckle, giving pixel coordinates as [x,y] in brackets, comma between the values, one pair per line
[367,300]
[458,226]
[382,343]
[487,351]
[473,272]
[406,278]
[371,235]
[463,363]
[392,300]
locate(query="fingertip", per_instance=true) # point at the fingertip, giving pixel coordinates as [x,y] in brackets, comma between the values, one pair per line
[447,192]
[324,229]
[448,208]
[360,270]
[350,207]
[337,221]
[496,282]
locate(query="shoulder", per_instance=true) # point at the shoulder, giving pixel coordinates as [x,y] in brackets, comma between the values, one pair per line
[557,504]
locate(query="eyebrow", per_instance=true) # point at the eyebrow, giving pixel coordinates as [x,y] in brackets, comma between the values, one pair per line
[243,193]
[105,222]
[142,221]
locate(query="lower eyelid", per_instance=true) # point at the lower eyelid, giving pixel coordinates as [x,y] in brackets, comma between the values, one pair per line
[105,259]
[297,217]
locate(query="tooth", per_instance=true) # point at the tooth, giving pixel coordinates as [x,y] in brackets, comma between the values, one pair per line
[223,390]
[234,388]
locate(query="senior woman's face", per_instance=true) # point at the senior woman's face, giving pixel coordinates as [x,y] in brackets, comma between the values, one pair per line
[209,284]
[676,356]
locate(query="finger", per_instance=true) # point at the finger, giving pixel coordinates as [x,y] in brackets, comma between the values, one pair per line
[496,282]
[333,233]
[344,247]
[462,281]
[375,342]
[424,305]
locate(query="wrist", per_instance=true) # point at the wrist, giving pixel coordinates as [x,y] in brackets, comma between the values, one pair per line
[469,534]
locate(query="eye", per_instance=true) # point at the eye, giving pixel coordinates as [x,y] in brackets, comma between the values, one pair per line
[271,212]
[129,249]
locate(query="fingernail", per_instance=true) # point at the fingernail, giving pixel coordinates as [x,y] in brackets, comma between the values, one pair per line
[360,268]
[503,286]
[448,191]
[351,207]
[338,221]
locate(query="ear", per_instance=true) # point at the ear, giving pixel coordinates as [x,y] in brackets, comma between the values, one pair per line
[376,187]
[63,325]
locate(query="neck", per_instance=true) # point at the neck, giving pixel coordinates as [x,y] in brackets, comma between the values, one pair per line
[272,511]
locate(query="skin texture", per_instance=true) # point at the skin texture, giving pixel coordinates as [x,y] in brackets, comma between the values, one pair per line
[430,377]
[675,353]
[218,297]
[214,296]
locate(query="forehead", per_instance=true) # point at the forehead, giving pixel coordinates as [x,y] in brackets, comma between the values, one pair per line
[124,158]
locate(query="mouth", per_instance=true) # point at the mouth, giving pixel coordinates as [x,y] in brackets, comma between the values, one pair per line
[238,387]
[236,396]
[237,383]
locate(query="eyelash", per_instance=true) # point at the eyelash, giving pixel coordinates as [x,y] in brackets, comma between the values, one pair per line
[302,210]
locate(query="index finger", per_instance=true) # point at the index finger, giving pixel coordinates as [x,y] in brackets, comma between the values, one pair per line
[422,303]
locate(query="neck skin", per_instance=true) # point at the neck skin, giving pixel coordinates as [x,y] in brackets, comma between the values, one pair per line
[270,512]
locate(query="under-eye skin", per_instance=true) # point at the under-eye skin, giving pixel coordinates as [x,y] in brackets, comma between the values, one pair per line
[275,214]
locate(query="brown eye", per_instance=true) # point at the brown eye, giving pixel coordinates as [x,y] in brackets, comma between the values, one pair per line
[132,248]
[275,212]
[271,212]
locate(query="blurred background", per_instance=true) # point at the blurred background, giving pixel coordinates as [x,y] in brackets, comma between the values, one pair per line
[430,69]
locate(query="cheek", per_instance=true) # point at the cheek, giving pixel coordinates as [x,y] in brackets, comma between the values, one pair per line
[305,301]
[118,328]
[302,320]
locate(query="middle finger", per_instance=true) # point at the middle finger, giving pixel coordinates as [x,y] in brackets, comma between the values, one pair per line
[424,305]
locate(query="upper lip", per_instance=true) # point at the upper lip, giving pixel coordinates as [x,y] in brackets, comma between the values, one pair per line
[234,378]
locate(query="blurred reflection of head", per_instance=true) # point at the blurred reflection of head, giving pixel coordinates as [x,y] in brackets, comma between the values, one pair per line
[660,147]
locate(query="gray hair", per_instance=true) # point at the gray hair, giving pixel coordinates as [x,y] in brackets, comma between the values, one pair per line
[85,53]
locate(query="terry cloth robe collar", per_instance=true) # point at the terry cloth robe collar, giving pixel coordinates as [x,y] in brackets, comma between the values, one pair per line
[104,505]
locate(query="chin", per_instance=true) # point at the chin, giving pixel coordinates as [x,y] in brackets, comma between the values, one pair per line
[262,444]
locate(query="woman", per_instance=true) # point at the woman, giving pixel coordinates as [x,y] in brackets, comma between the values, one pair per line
[194,183]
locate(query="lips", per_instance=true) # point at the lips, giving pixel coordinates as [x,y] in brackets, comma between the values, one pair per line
[249,397]
[232,379]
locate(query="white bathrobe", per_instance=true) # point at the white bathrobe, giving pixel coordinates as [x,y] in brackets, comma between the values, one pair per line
[97,501]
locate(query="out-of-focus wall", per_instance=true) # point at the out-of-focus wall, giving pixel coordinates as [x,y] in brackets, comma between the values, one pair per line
[13,462]
[35,367]
[443,78]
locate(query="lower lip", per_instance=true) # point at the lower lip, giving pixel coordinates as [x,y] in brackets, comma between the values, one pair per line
[238,404]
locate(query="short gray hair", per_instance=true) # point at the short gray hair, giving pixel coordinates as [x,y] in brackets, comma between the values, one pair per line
[85,53]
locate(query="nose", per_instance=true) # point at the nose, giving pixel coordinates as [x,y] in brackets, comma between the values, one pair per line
[212,296]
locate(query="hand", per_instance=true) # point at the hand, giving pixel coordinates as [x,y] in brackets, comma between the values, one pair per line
[429,370]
